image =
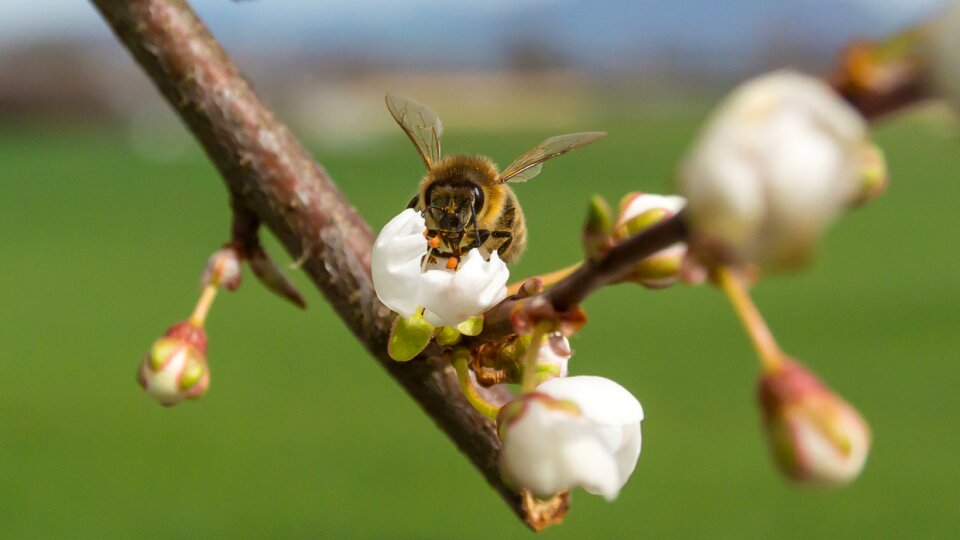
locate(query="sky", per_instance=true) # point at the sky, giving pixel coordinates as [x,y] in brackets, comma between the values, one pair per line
[29,21]
[726,36]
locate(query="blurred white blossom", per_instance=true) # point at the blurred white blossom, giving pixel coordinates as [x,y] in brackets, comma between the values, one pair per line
[774,166]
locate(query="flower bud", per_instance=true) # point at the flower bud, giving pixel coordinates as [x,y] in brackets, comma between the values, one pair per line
[873,175]
[638,212]
[223,268]
[553,357]
[881,77]
[814,435]
[573,431]
[176,367]
[597,228]
[938,47]
[777,162]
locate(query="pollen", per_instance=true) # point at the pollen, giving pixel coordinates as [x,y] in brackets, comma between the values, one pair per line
[452,263]
[434,242]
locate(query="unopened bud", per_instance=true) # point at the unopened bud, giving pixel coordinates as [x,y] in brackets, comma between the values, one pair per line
[873,175]
[597,229]
[553,358]
[638,212]
[815,436]
[176,367]
[772,169]
[223,268]
[881,77]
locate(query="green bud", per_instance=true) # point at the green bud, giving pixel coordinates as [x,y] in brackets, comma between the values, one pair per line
[874,178]
[597,229]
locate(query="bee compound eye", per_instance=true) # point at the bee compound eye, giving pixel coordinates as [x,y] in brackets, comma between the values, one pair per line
[477,199]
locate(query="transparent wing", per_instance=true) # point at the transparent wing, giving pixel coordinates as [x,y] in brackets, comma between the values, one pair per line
[420,123]
[529,164]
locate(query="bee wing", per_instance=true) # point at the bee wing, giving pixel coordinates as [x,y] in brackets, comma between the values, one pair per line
[529,164]
[420,123]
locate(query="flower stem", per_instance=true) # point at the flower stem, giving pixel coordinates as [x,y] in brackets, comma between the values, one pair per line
[199,315]
[529,382]
[460,358]
[771,356]
[548,279]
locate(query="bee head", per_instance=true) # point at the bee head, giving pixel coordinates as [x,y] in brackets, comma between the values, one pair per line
[454,206]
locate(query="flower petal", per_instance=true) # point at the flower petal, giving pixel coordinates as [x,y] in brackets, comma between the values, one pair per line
[642,202]
[452,297]
[395,262]
[601,400]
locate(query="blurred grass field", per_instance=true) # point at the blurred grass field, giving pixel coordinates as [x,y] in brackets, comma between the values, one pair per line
[302,435]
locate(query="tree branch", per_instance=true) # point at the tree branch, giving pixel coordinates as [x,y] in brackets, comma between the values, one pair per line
[269,172]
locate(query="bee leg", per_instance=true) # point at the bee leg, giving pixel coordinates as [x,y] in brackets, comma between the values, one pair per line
[413,202]
[480,237]
[505,245]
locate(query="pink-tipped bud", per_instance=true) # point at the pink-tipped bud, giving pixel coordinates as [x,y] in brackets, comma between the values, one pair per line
[815,436]
[223,268]
[176,369]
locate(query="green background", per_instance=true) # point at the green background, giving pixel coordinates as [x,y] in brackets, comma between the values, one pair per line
[302,435]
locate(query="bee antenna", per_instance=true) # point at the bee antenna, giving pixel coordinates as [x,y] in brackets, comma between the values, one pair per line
[476,230]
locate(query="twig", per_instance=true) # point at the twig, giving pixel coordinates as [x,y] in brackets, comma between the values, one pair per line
[570,291]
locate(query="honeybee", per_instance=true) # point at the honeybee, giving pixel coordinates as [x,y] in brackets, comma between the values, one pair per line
[464,199]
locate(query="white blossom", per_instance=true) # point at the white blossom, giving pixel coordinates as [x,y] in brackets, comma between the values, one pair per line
[449,297]
[774,166]
[573,431]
